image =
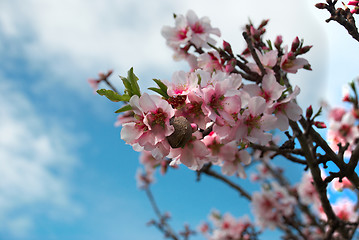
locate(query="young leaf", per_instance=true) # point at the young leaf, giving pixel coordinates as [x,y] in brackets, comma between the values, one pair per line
[124,109]
[113,96]
[127,85]
[132,78]
[160,92]
[161,85]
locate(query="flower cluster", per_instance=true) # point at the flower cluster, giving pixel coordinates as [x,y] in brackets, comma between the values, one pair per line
[343,127]
[228,227]
[210,115]
[271,206]
[224,112]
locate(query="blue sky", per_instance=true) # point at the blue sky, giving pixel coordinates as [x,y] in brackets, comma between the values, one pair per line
[65,173]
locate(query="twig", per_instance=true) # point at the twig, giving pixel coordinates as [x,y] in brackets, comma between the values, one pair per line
[254,54]
[166,229]
[344,18]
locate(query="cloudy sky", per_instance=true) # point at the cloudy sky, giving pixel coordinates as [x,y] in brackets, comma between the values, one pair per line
[65,173]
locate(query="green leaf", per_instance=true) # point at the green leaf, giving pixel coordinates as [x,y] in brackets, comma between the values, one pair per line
[318,113]
[212,46]
[160,92]
[124,109]
[127,85]
[113,96]
[161,85]
[133,80]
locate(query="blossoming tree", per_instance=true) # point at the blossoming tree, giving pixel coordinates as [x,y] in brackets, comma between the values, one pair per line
[232,112]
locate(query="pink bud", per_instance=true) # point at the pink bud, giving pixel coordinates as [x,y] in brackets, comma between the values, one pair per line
[264,23]
[321,5]
[278,41]
[231,65]
[295,44]
[353,3]
[309,112]
[305,49]
[227,47]
[320,125]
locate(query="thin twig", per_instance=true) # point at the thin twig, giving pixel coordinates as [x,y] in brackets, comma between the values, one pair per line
[166,229]
[254,54]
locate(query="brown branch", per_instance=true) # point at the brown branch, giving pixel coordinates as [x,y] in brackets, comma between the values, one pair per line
[314,168]
[352,176]
[343,17]
[162,225]
[253,53]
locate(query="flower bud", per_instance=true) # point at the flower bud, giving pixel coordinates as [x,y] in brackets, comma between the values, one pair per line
[231,65]
[278,42]
[309,112]
[353,3]
[305,49]
[320,124]
[182,133]
[227,47]
[321,5]
[295,44]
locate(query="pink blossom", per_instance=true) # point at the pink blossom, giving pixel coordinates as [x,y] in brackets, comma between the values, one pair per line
[190,29]
[210,61]
[194,154]
[125,117]
[151,126]
[269,206]
[182,83]
[343,131]
[345,209]
[192,110]
[253,122]
[227,227]
[268,60]
[290,63]
[201,30]
[218,98]
[336,114]
[306,189]
[178,35]
[270,90]
[227,155]
[287,109]
[339,186]
[234,165]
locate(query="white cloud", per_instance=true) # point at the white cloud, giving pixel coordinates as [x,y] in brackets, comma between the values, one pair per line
[73,39]
[35,165]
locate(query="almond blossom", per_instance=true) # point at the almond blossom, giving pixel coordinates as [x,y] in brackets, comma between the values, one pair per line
[343,130]
[254,122]
[152,125]
[268,59]
[271,205]
[290,63]
[228,227]
[194,154]
[286,109]
[227,155]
